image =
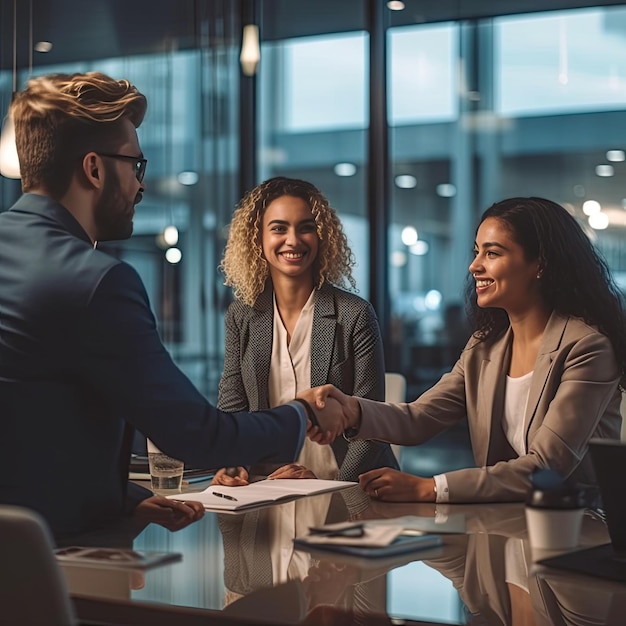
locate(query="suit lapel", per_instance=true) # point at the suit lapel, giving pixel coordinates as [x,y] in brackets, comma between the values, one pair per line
[261,335]
[491,400]
[323,336]
[549,345]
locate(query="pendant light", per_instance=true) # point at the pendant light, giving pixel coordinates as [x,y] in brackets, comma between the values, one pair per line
[250,50]
[9,161]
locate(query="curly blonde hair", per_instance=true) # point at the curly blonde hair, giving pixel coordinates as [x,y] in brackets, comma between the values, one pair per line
[244,265]
[61,117]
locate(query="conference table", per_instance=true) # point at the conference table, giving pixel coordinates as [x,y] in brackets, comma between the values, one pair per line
[243,569]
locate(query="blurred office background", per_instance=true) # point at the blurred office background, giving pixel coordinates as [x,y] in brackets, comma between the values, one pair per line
[412,117]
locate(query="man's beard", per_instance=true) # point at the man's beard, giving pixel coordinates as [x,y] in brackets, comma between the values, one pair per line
[113,215]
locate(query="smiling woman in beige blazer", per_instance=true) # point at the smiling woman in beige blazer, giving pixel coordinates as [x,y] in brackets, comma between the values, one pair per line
[541,375]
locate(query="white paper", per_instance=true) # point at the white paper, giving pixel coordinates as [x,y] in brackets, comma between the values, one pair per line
[261,493]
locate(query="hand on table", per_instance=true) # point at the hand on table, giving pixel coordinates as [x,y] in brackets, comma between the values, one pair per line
[391,485]
[171,514]
[292,470]
[231,477]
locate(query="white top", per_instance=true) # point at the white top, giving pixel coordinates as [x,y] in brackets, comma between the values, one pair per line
[515,401]
[516,562]
[290,373]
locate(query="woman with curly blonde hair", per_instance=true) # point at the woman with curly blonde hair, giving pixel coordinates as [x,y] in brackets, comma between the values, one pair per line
[293,325]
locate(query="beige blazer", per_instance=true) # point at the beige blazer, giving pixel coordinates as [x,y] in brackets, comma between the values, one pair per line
[573,397]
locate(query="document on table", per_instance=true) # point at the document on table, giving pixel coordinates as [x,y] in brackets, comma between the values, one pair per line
[114,558]
[373,540]
[262,493]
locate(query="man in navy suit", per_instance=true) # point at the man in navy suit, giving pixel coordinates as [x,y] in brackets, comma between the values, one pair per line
[81,361]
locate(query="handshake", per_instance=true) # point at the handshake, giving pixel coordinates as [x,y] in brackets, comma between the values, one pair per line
[330,412]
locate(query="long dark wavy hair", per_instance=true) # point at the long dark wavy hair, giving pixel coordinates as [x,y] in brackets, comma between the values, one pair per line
[575,279]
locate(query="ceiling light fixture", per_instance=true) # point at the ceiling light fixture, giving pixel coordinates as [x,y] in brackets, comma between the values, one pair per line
[616,156]
[250,50]
[9,161]
[43,46]
[605,170]
[406,181]
[345,169]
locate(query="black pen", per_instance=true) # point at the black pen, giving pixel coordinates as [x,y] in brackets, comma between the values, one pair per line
[223,495]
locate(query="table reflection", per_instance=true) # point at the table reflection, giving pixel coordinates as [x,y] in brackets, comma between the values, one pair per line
[245,566]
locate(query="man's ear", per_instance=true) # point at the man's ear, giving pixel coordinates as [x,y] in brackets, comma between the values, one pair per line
[92,168]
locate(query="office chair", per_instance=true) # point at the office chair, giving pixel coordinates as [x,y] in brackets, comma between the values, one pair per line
[395,391]
[32,586]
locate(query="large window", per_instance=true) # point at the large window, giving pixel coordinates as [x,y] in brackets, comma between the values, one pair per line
[525,105]
[312,125]
[479,108]
[566,61]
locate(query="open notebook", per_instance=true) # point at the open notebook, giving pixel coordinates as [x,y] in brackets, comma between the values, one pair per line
[262,493]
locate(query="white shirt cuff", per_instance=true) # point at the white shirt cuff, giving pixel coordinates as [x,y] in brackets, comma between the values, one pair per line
[441,485]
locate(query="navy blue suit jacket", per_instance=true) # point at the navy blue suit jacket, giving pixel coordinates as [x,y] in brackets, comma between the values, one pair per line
[80,357]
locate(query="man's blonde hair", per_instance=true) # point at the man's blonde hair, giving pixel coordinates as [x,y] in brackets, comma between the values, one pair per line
[61,117]
[244,265]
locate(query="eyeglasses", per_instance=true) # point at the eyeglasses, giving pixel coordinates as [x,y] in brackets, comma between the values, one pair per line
[139,163]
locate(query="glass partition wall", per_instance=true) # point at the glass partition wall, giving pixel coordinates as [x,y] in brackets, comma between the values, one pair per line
[480,106]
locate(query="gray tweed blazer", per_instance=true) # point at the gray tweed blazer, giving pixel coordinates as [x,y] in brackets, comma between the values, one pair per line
[346,350]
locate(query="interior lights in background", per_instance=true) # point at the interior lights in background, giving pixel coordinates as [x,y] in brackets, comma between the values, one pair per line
[395,5]
[173,255]
[432,300]
[406,181]
[398,259]
[409,235]
[345,169]
[615,156]
[250,50]
[624,204]
[604,170]
[188,178]
[598,221]
[591,207]
[9,162]
[170,235]
[446,190]
[579,191]
[43,46]
[419,248]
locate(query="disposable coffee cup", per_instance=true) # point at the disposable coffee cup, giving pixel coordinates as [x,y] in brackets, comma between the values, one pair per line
[554,518]
[166,473]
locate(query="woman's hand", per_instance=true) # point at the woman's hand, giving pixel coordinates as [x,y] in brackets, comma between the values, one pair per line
[171,514]
[328,401]
[391,485]
[292,470]
[231,477]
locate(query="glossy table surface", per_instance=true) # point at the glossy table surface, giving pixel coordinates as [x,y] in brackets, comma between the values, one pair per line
[245,566]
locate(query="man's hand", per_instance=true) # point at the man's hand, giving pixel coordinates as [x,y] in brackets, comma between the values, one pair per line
[391,485]
[231,477]
[324,426]
[328,403]
[292,470]
[172,514]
